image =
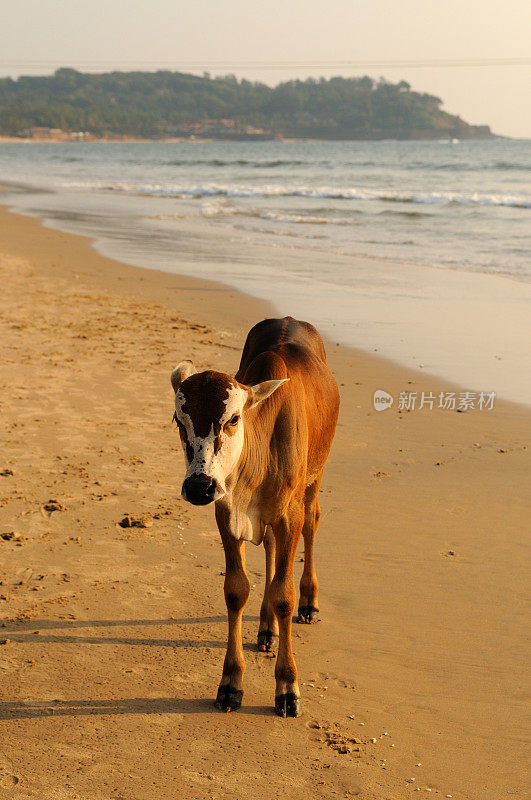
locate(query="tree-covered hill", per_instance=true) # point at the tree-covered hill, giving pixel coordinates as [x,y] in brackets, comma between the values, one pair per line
[166,104]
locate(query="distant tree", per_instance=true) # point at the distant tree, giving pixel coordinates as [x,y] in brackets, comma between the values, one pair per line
[155,104]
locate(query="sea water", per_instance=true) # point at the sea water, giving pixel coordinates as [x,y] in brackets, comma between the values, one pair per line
[443,229]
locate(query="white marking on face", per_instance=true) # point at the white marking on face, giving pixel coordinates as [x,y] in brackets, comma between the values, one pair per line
[206,461]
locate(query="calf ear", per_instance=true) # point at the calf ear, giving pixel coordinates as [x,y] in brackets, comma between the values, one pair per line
[181,372]
[262,390]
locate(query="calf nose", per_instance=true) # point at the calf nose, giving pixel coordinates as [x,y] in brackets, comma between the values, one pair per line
[199,489]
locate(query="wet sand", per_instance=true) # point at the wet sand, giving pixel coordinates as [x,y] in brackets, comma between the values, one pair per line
[112,638]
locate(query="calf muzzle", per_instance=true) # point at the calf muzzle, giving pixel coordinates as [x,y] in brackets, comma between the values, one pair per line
[199,489]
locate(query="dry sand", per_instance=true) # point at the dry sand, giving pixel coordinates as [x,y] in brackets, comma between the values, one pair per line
[112,638]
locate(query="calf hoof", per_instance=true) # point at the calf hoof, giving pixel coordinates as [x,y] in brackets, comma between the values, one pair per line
[228,699]
[288,705]
[308,614]
[265,641]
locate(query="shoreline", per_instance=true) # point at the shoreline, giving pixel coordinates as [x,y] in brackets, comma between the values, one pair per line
[423,527]
[70,137]
[16,187]
[415,314]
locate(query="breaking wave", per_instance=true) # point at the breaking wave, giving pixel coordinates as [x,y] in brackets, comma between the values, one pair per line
[329,164]
[318,192]
[237,162]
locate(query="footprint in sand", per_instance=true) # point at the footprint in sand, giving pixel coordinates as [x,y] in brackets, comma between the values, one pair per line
[7,779]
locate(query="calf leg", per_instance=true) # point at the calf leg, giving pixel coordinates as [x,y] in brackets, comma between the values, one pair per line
[309,588]
[237,587]
[282,597]
[268,628]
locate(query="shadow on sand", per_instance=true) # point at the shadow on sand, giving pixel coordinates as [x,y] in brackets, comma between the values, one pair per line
[25,631]
[134,705]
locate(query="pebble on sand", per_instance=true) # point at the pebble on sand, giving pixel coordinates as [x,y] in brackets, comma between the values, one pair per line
[130,521]
[52,505]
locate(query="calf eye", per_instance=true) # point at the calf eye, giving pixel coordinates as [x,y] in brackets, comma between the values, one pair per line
[234,420]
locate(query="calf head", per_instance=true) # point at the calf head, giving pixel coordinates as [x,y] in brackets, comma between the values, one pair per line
[210,411]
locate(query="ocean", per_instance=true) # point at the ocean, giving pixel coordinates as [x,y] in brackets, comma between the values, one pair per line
[458,204]
[419,250]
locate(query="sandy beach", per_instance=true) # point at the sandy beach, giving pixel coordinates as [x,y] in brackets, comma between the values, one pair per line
[112,638]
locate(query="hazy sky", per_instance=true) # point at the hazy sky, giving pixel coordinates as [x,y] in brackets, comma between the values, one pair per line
[131,34]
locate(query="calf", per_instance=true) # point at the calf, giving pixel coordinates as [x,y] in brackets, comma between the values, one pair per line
[256,446]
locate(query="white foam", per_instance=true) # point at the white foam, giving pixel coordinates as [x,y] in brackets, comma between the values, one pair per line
[323,192]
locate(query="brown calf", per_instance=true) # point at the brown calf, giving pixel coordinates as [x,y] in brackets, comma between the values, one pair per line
[256,445]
